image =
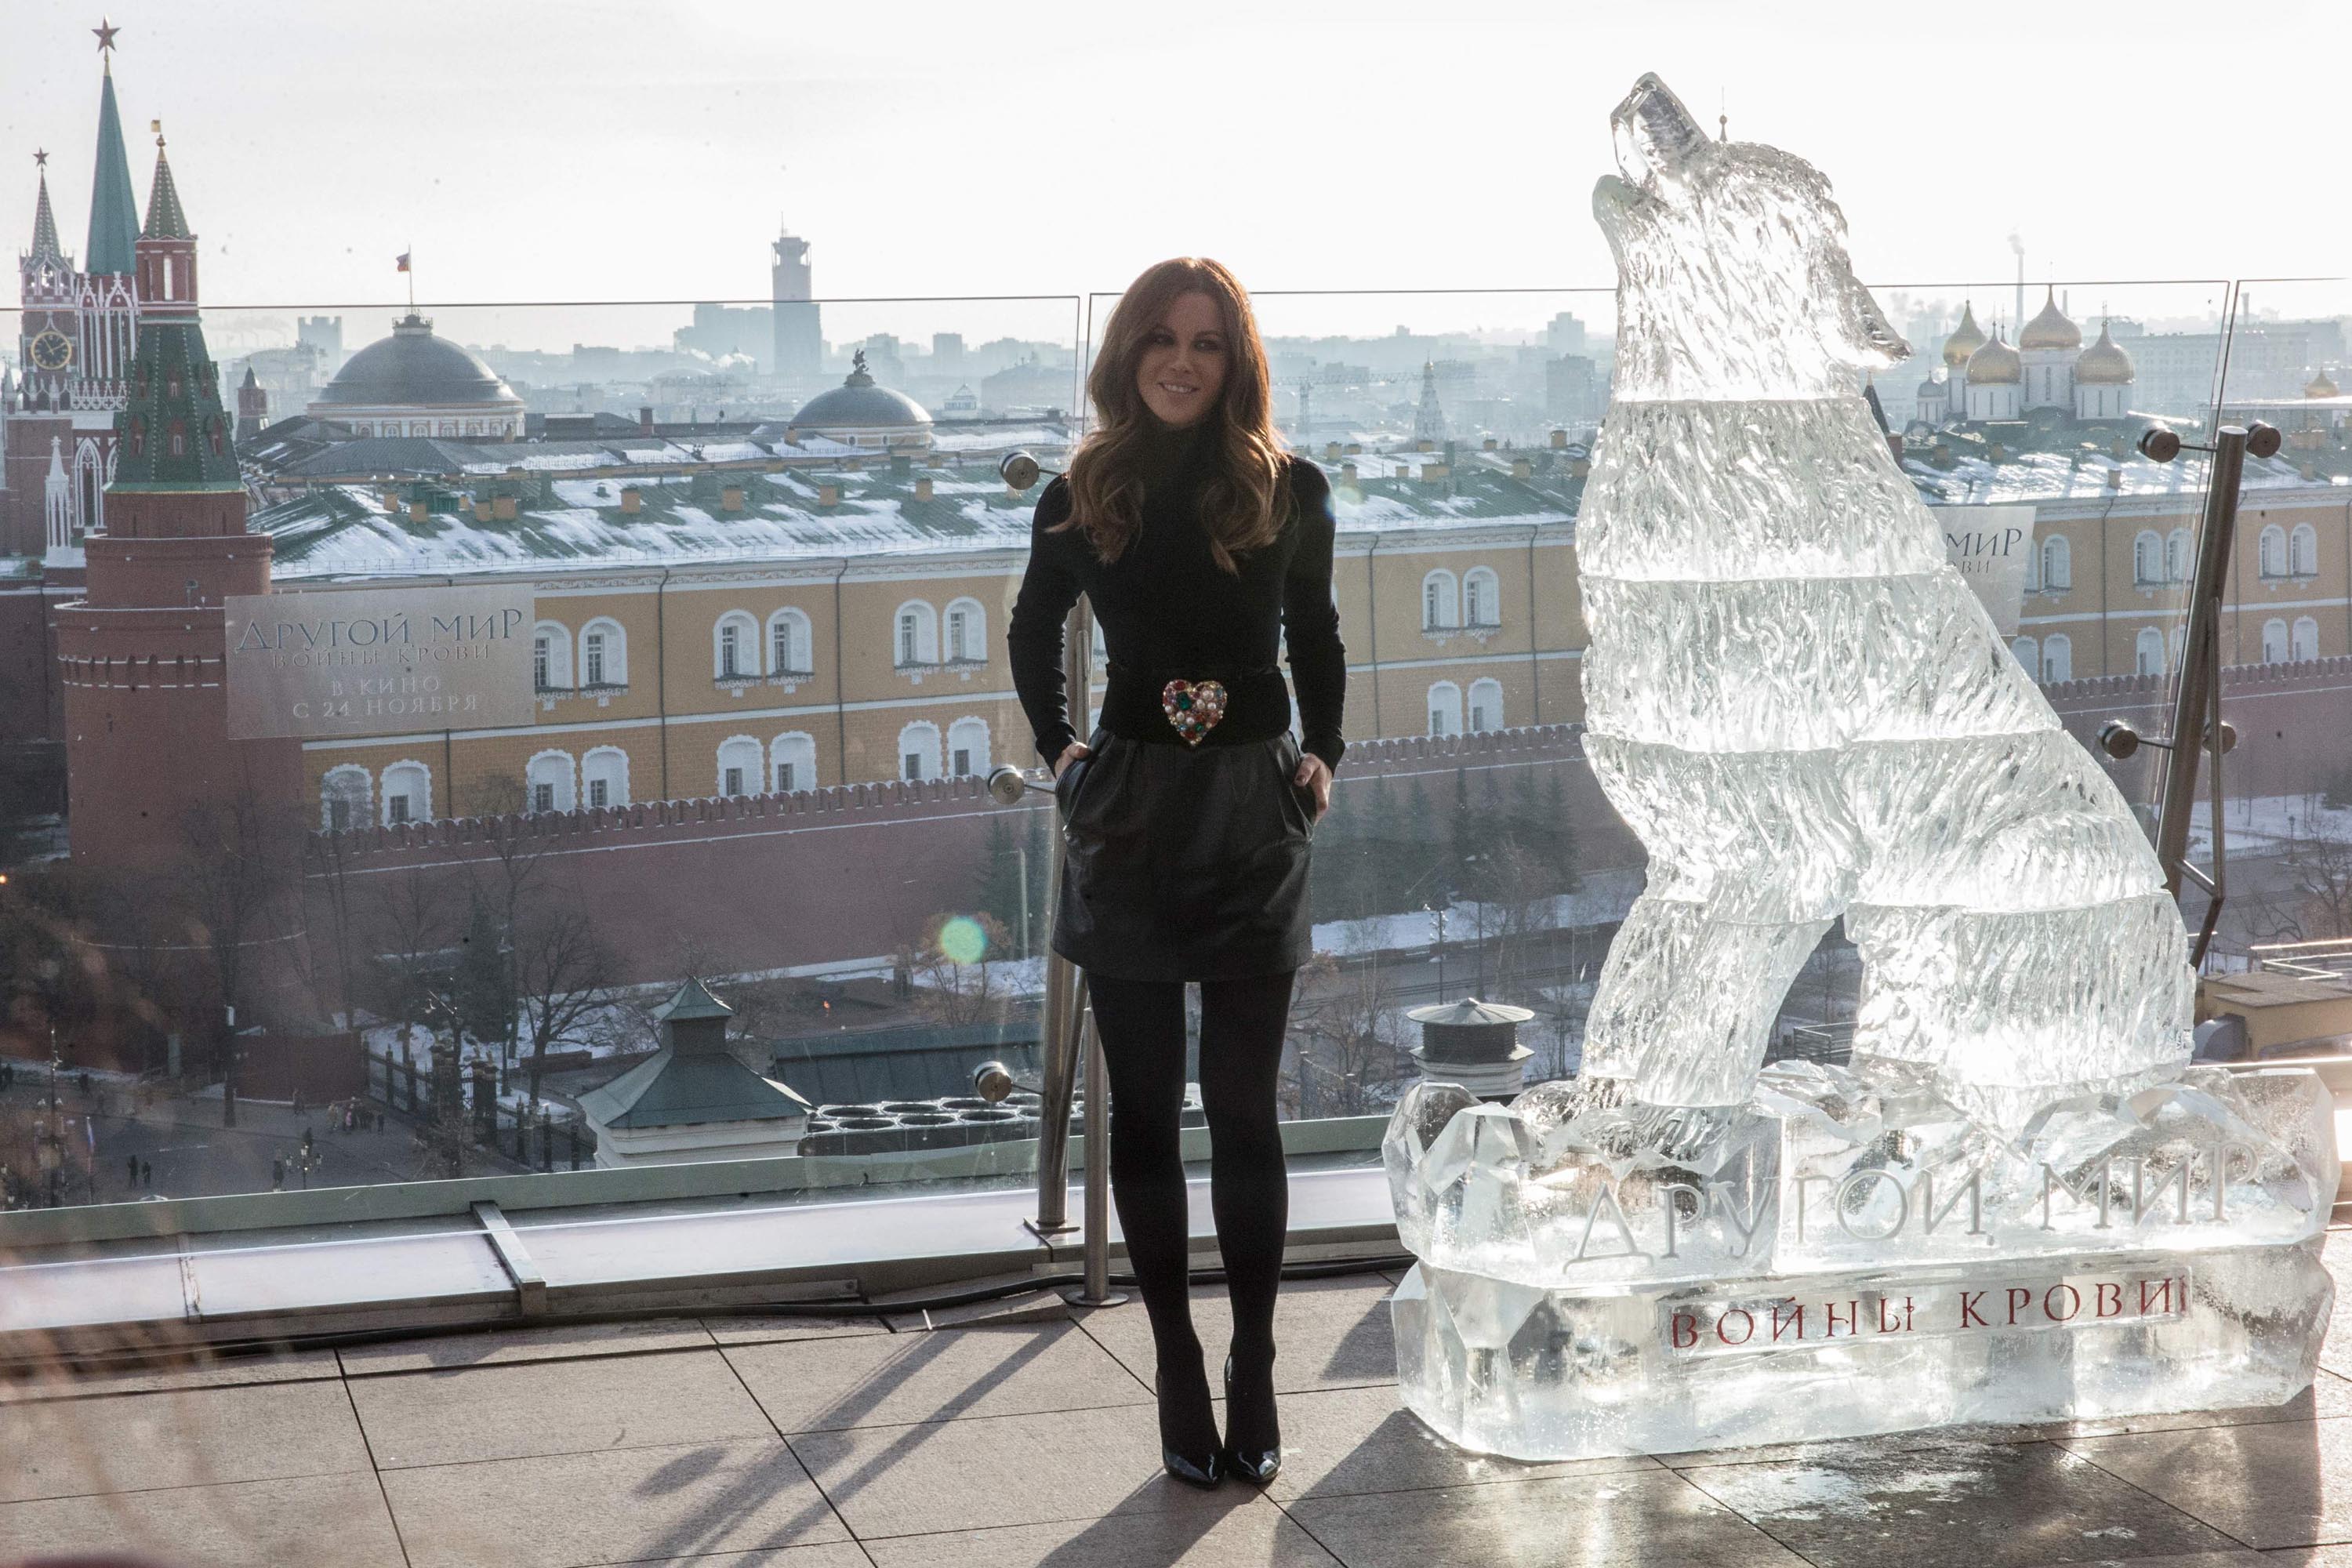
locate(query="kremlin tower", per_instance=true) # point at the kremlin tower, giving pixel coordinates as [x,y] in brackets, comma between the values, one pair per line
[160,799]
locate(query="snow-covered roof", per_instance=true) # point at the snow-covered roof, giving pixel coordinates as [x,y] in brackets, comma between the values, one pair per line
[2085,476]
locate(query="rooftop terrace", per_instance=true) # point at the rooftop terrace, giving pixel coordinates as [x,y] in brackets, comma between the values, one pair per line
[1027,1439]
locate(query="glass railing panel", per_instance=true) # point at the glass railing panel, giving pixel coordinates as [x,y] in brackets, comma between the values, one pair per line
[2285,630]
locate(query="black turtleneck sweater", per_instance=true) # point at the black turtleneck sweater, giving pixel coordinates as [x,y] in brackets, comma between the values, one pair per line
[1167,611]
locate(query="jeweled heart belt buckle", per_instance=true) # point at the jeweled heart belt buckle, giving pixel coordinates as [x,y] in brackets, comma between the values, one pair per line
[1193,707]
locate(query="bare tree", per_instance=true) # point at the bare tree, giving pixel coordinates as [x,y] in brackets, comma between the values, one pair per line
[1348,1039]
[509,877]
[238,876]
[2320,859]
[567,977]
[417,912]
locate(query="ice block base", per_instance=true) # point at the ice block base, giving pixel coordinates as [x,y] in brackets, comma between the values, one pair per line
[1541,1373]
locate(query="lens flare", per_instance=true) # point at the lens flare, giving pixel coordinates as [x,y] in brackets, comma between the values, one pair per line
[961,940]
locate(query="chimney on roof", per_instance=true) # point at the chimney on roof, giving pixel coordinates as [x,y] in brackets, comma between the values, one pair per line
[419,510]
[1352,450]
[1559,437]
[1522,470]
[481,508]
[1490,444]
[1424,444]
[901,465]
[730,496]
[1348,475]
[632,501]
[1895,445]
[1331,451]
[645,418]
[828,495]
[923,487]
[503,507]
[2114,478]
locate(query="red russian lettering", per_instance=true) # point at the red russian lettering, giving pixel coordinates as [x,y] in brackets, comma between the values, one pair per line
[1686,1330]
[1795,1321]
[1828,1310]
[1885,1327]
[2163,1295]
[2017,1297]
[2110,1299]
[1746,1326]
[1969,1300]
[2074,1303]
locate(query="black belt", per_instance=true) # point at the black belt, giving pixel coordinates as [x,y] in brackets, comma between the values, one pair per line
[1222,705]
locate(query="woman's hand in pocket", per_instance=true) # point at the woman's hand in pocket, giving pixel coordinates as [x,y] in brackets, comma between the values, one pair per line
[1313,773]
[1070,754]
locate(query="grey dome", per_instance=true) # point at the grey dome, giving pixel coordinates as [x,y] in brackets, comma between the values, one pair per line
[860,404]
[413,369]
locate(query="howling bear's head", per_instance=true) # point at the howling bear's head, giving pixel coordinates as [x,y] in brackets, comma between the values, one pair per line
[1732,277]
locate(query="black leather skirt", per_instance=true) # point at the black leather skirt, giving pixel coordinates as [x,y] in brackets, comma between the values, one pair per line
[1184,863]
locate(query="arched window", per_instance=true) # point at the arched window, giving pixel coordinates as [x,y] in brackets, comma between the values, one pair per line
[2176,556]
[1486,705]
[735,647]
[407,793]
[789,644]
[916,635]
[2303,642]
[2274,647]
[1441,602]
[2179,641]
[2057,658]
[2032,569]
[2057,563]
[603,654]
[2303,551]
[967,632]
[551,657]
[918,751]
[793,756]
[2029,656]
[604,776]
[2147,651]
[343,797]
[1482,598]
[739,766]
[2147,557]
[1445,708]
[2271,554]
[967,747]
[547,781]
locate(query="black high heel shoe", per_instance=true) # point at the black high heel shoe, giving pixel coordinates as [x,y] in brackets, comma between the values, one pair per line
[1205,1471]
[1256,1466]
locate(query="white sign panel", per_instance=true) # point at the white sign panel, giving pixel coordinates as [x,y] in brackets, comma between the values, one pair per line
[378,661]
[1992,546]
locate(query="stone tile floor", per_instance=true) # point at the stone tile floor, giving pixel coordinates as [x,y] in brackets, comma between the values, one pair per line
[836,1443]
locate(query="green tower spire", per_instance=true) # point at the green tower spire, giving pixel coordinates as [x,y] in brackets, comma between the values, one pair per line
[44,223]
[164,218]
[174,435]
[113,208]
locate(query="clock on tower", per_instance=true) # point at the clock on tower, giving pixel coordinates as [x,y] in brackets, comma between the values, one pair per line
[52,349]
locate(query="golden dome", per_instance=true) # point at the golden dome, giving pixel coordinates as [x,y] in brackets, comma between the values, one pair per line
[1995,364]
[2049,329]
[1966,339]
[2321,386]
[2105,364]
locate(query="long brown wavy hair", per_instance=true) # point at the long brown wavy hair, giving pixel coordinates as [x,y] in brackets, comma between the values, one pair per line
[1245,502]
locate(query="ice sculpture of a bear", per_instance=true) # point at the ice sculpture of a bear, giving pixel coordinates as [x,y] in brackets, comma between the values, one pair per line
[1802,709]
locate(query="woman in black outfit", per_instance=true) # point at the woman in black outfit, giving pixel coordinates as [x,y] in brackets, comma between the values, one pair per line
[1186,815]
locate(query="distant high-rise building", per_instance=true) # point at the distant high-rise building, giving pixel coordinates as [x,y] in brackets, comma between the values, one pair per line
[324,334]
[1565,335]
[947,353]
[800,337]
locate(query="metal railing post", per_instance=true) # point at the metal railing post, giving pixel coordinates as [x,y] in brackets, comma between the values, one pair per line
[1064,999]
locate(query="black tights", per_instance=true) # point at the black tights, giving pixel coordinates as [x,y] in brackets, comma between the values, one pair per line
[1242,1022]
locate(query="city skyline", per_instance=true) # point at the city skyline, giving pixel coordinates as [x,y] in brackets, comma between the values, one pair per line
[675,169]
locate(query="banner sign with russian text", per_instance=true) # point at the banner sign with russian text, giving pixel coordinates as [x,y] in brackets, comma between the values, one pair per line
[387,662]
[1990,546]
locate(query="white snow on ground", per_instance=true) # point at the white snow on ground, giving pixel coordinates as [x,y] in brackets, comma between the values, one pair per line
[2265,825]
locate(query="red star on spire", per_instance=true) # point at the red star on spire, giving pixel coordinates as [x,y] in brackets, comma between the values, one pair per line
[105,31]
[40,158]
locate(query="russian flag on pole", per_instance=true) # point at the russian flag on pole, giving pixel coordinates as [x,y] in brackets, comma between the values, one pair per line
[402,261]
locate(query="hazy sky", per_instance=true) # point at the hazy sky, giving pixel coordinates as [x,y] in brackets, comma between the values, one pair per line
[593,150]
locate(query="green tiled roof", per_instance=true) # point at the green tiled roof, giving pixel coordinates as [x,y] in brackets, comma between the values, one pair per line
[674,1089]
[164,218]
[174,394]
[113,208]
